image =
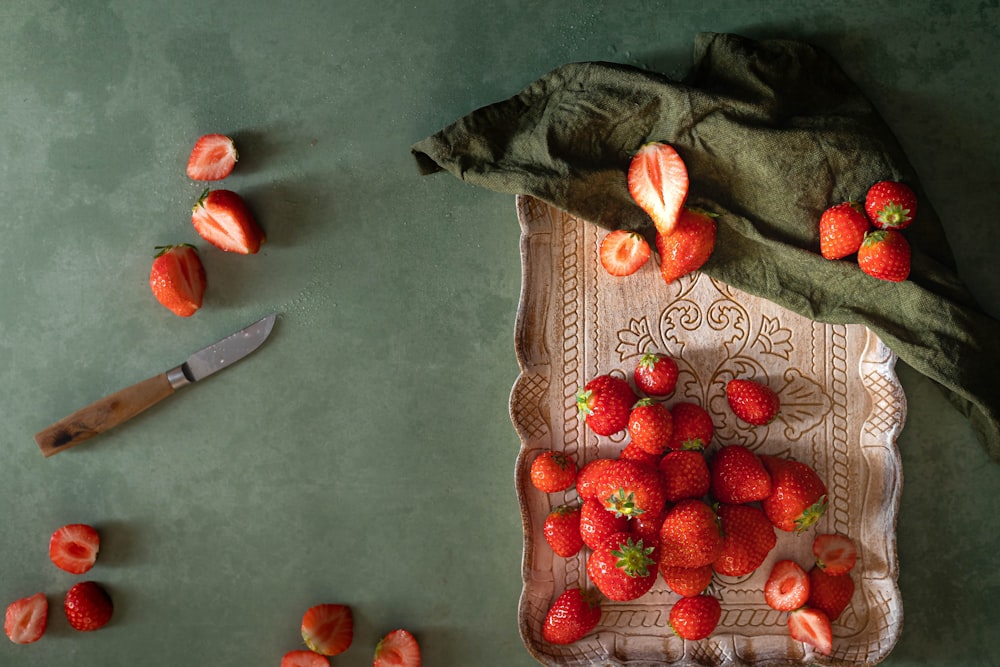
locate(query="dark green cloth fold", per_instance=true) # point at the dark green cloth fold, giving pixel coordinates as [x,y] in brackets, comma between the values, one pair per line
[772,133]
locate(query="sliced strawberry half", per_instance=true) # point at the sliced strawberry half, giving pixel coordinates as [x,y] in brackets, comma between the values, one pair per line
[787,587]
[812,627]
[212,158]
[222,218]
[623,252]
[835,554]
[303,658]
[399,648]
[26,619]
[658,182]
[74,547]
[328,628]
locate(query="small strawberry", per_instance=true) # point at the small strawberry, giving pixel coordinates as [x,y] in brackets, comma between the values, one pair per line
[597,524]
[630,488]
[88,607]
[650,426]
[835,554]
[633,451]
[553,471]
[738,476]
[212,158]
[587,478]
[891,205]
[695,617]
[573,615]
[74,547]
[829,593]
[655,374]
[177,279]
[622,567]
[398,648]
[693,428]
[748,538]
[812,627]
[222,218]
[622,252]
[753,402]
[690,535]
[798,496]
[787,587]
[685,474]
[658,182]
[605,404]
[842,228]
[688,246]
[885,255]
[26,619]
[562,530]
[686,581]
[328,629]
[304,658]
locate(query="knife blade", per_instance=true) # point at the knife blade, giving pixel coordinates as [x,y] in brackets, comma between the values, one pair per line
[110,411]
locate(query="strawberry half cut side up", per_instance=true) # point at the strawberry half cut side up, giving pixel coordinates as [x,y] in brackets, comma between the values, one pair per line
[74,547]
[658,182]
[212,158]
[222,218]
[26,619]
[304,658]
[328,629]
[787,587]
[622,252]
[812,627]
[398,648]
[835,554]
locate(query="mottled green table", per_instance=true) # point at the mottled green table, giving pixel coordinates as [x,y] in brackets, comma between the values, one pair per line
[365,455]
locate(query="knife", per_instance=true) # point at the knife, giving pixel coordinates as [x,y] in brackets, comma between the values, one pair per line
[110,411]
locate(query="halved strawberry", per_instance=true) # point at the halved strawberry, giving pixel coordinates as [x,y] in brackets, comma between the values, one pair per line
[222,218]
[328,628]
[74,547]
[399,648]
[835,554]
[177,279]
[212,158]
[622,252]
[812,627]
[303,658]
[787,587]
[26,619]
[658,182]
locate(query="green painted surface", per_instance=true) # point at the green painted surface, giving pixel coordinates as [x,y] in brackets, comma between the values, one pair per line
[365,454]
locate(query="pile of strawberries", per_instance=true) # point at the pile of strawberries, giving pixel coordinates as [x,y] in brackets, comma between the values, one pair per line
[664,507]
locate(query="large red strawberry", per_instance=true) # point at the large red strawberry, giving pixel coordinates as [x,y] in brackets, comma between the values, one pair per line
[842,228]
[658,182]
[650,425]
[622,252]
[695,617]
[623,568]
[328,628]
[885,255]
[685,474]
[562,530]
[830,593]
[693,428]
[686,581]
[304,658]
[688,246]
[630,488]
[633,451]
[798,496]
[74,547]
[597,524]
[835,554]
[690,535]
[26,619]
[177,279]
[398,648]
[655,374]
[222,218]
[891,205]
[212,158]
[647,527]
[573,615]
[748,538]
[753,402]
[811,626]
[738,476]
[553,471]
[787,587]
[88,606]
[587,478]
[605,404]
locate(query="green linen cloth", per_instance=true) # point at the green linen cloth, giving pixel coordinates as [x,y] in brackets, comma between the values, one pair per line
[772,133]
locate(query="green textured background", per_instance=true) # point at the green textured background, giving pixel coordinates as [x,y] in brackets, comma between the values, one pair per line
[365,455]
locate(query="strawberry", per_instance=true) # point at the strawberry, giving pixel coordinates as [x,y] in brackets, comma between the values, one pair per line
[753,402]
[303,658]
[647,527]
[74,547]
[748,538]
[738,476]
[650,426]
[812,627]
[829,593]
[622,252]
[88,607]
[177,279]
[835,554]
[891,205]
[885,255]
[693,428]
[842,228]
[688,246]
[658,182]
[686,581]
[328,629]
[630,488]
[573,615]
[26,619]
[398,648]
[620,567]
[212,158]
[798,495]
[222,218]
[787,587]
[633,451]
[655,374]
[690,535]
[597,524]
[685,474]
[586,479]
[695,617]
[553,471]
[605,404]
[562,530]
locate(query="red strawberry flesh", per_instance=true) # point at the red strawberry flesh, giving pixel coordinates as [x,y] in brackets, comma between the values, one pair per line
[74,547]
[787,587]
[212,158]
[26,619]
[812,627]
[398,648]
[222,218]
[328,629]
[622,252]
[303,658]
[658,182]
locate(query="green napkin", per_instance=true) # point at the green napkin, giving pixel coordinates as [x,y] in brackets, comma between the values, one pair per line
[772,133]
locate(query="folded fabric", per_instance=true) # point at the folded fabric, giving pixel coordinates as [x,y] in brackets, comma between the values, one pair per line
[772,132]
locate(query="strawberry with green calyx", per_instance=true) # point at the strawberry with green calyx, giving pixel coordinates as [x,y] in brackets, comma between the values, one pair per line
[605,404]
[753,402]
[835,554]
[695,617]
[222,218]
[630,488]
[26,619]
[658,182]
[748,538]
[553,471]
[622,252]
[829,593]
[398,648]
[891,205]
[811,626]
[688,246]
[693,427]
[597,524]
[691,535]
[686,581]
[885,254]
[562,530]
[842,228]
[177,279]
[787,586]
[573,615]
[655,374]
[685,474]
[622,567]
[739,476]
[798,496]
[650,426]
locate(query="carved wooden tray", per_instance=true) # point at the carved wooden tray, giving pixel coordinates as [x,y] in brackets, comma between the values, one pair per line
[842,409]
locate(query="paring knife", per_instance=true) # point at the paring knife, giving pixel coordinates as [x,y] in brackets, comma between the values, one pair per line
[121,406]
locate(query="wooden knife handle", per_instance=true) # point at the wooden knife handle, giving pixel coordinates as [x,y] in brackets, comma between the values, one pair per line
[103,415]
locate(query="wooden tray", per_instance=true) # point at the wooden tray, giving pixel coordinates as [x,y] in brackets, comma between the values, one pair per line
[842,409]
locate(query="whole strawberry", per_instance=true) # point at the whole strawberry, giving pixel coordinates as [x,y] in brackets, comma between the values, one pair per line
[798,496]
[88,606]
[693,427]
[748,538]
[598,524]
[690,535]
[685,474]
[622,567]
[605,404]
[647,527]
[885,255]
[650,426]
[891,205]
[753,402]
[590,473]
[830,593]
[686,581]
[739,476]
[655,374]
[553,471]
[630,488]
[695,617]
[177,279]
[573,615]
[688,246]
[636,453]
[562,530]
[842,228]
